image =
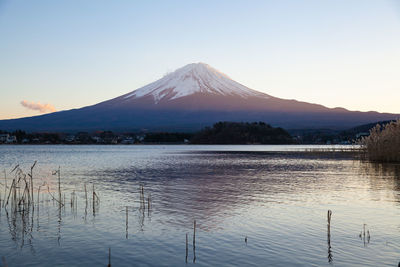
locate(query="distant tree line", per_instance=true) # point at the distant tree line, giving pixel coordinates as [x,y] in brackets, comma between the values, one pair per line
[242,133]
[219,133]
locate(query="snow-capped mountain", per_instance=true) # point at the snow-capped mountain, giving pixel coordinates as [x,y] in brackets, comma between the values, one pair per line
[195,78]
[188,99]
[198,86]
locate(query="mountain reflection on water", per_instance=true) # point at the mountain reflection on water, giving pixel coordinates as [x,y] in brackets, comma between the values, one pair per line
[276,201]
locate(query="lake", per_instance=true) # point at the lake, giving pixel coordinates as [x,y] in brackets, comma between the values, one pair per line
[253,206]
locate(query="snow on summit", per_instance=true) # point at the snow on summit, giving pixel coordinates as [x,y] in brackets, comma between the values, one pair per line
[190,79]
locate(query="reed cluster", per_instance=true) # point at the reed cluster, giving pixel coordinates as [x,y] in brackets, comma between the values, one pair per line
[18,203]
[383,143]
[20,194]
[22,197]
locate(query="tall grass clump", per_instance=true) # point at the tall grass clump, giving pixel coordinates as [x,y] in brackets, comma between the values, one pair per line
[383,143]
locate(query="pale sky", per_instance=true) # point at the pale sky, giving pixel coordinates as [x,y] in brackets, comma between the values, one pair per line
[70,54]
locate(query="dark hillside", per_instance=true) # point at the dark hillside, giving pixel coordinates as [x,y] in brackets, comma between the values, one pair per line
[242,133]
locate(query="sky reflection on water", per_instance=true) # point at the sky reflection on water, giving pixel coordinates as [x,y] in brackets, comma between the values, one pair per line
[278,200]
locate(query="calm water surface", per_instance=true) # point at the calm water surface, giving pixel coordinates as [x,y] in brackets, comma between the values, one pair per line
[276,196]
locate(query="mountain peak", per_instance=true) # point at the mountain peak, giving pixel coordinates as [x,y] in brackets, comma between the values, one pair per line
[194,78]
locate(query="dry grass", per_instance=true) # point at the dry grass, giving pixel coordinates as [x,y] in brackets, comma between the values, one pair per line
[383,143]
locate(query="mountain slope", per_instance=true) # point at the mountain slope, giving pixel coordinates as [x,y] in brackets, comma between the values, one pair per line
[188,99]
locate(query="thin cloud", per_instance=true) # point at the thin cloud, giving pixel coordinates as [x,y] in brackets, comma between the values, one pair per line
[42,108]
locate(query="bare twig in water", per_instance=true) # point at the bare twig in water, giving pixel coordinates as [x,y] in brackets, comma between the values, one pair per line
[329,217]
[53,198]
[109,257]
[15,168]
[5,187]
[187,247]
[4,262]
[95,200]
[329,236]
[31,175]
[149,202]
[126,223]
[86,195]
[9,194]
[57,172]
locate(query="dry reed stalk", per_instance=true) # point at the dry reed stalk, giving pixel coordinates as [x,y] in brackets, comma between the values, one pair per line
[15,196]
[194,234]
[25,193]
[383,143]
[11,190]
[187,247]
[109,257]
[72,199]
[31,176]
[94,211]
[38,194]
[364,230]
[59,185]
[53,198]
[329,217]
[60,200]
[4,262]
[148,204]
[126,223]
[86,195]
[329,236]
[95,200]
[5,187]
[142,199]
[194,242]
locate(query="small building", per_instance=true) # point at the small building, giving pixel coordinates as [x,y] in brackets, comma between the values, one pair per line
[3,138]
[97,139]
[12,139]
[140,138]
[128,140]
[70,138]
